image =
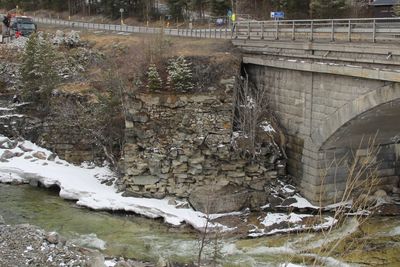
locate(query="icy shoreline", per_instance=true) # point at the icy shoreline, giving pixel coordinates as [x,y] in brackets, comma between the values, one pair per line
[24,162]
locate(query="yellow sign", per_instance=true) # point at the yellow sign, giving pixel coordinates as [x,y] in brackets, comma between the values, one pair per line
[233,17]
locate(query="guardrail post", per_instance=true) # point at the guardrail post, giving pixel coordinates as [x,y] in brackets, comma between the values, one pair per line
[374,31]
[277,30]
[312,31]
[332,31]
[293,31]
[248,30]
[262,30]
[349,33]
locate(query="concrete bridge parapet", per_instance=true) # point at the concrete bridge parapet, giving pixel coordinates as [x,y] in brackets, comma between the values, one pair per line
[330,98]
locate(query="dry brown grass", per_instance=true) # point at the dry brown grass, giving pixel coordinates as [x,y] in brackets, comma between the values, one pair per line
[179,46]
[75,88]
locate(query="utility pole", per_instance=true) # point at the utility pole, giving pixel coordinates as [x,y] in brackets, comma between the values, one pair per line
[69,9]
[121,10]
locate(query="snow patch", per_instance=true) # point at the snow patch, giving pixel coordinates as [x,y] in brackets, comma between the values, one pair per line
[18,43]
[294,221]
[276,218]
[267,127]
[83,184]
[110,263]
[394,231]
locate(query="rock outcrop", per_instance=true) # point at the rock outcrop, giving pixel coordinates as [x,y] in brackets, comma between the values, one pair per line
[181,145]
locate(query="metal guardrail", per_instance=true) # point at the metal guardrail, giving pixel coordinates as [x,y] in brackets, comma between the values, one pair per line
[215,33]
[365,30]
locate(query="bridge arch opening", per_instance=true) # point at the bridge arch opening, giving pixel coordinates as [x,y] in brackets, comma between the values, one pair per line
[377,128]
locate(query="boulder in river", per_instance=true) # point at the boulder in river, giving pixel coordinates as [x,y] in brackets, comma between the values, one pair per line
[223,198]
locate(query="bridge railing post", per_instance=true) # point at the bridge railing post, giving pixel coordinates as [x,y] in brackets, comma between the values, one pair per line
[312,31]
[293,31]
[262,30]
[248,30]
[332,30]
[349,32]
[277,30]
[374,30]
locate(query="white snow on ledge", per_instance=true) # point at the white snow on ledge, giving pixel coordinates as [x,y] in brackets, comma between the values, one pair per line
[84,185]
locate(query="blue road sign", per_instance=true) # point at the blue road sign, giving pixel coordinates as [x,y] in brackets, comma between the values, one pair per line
[278,15]
[229,13]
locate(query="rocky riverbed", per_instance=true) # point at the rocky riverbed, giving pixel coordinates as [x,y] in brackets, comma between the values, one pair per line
[28,245]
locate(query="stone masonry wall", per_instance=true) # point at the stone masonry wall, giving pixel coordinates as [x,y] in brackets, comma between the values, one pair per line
[304,102]
[179,142]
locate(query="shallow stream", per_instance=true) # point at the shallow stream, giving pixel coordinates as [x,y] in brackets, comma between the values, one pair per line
[148,240]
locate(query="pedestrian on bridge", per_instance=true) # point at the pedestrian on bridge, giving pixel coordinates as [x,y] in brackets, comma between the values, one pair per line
[6,24]
[233,18]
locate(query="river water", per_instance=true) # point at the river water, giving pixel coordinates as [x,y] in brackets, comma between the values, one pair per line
[144,239]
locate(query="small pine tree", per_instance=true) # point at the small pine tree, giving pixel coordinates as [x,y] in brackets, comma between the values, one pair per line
[38,76]
[154,79]
[180,74]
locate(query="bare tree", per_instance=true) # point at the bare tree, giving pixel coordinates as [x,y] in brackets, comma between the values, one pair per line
[251,106]
[210,237]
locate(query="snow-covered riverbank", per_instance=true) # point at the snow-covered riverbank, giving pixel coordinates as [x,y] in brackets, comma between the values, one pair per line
[22,161]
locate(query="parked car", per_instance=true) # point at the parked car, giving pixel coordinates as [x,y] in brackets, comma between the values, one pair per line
[23,26]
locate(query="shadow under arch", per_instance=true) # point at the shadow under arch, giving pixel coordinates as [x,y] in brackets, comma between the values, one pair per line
[375,112]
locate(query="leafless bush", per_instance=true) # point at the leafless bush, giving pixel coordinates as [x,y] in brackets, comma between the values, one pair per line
[356,199]
[253,116]
[209,239]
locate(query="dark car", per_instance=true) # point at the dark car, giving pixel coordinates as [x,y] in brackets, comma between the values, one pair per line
[23,26]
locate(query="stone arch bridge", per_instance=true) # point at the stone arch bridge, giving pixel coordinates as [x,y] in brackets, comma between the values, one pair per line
[334,89]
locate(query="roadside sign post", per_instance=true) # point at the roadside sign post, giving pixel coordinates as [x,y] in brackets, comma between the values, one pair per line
[229,15]
[121,10]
